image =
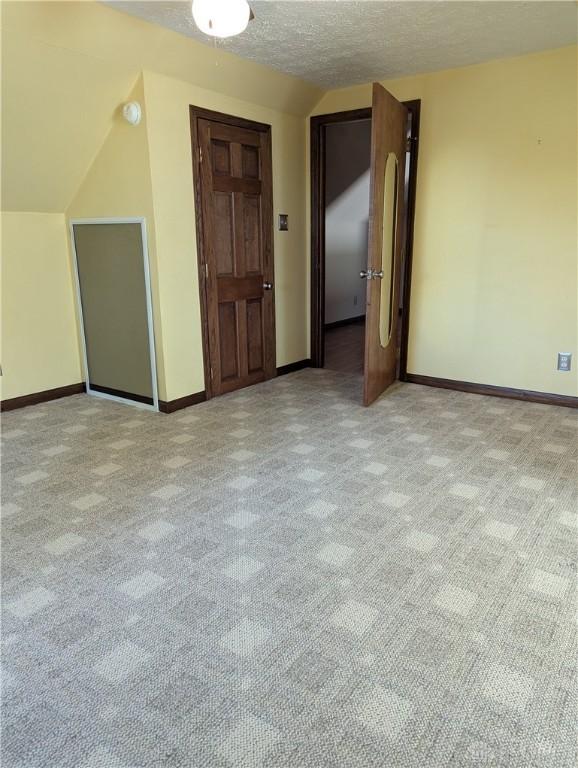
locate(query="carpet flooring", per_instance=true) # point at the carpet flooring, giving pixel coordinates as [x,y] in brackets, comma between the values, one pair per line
[282,578]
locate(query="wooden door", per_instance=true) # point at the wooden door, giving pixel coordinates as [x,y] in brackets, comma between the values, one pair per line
[235,190]
[386,217]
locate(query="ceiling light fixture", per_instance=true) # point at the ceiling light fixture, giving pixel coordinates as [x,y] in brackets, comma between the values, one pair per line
[221,18]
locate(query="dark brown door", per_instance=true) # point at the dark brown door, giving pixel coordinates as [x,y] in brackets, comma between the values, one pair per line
[386,217]
[237,254]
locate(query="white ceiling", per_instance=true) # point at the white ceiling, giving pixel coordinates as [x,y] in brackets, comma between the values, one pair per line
[334,43]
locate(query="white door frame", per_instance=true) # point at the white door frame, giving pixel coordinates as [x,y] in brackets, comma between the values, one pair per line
[122,220]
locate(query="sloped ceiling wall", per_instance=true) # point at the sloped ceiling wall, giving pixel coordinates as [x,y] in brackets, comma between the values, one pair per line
[57,107]
[66,68]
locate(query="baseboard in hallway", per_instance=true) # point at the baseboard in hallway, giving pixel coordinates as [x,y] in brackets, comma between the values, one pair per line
[347,321]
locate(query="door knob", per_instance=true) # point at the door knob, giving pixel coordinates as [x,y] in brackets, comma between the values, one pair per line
[268,286]
[371,274]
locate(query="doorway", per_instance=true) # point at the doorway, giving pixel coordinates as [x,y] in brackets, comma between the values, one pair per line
[232,170]
[346,222]
[340,210]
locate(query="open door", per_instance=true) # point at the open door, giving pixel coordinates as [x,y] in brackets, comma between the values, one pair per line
[386,217]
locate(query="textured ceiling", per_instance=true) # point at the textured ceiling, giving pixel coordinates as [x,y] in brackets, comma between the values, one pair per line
[334,43]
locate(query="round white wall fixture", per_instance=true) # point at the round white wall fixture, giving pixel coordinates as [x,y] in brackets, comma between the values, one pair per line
[132,112]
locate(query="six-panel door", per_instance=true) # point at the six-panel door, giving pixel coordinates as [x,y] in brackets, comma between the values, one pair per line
[236,195]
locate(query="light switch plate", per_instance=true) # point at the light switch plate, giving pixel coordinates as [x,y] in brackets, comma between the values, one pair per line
[283,222]
[564,361]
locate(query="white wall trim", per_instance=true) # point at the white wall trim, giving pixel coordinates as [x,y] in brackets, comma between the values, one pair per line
[148,295]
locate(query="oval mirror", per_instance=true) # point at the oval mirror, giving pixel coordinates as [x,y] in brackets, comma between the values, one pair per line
[388,250]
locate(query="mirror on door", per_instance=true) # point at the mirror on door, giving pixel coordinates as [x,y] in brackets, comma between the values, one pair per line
[388,250]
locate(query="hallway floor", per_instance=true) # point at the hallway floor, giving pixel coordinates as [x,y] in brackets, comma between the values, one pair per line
[281,578]
[344,348]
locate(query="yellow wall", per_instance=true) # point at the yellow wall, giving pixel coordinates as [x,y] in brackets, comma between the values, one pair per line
[147,171]
[72,65]
[494,284]
[167,104]
[118,184]
[57,105]
[494,281]
[39,340]
[66,66]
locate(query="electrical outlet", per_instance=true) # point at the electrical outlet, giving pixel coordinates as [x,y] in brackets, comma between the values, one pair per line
[564,361]
[355,301]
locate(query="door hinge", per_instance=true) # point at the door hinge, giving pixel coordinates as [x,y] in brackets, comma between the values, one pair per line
[206,270]
[200,154]
[211,371]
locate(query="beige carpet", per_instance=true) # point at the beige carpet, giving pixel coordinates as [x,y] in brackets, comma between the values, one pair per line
[282,578]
